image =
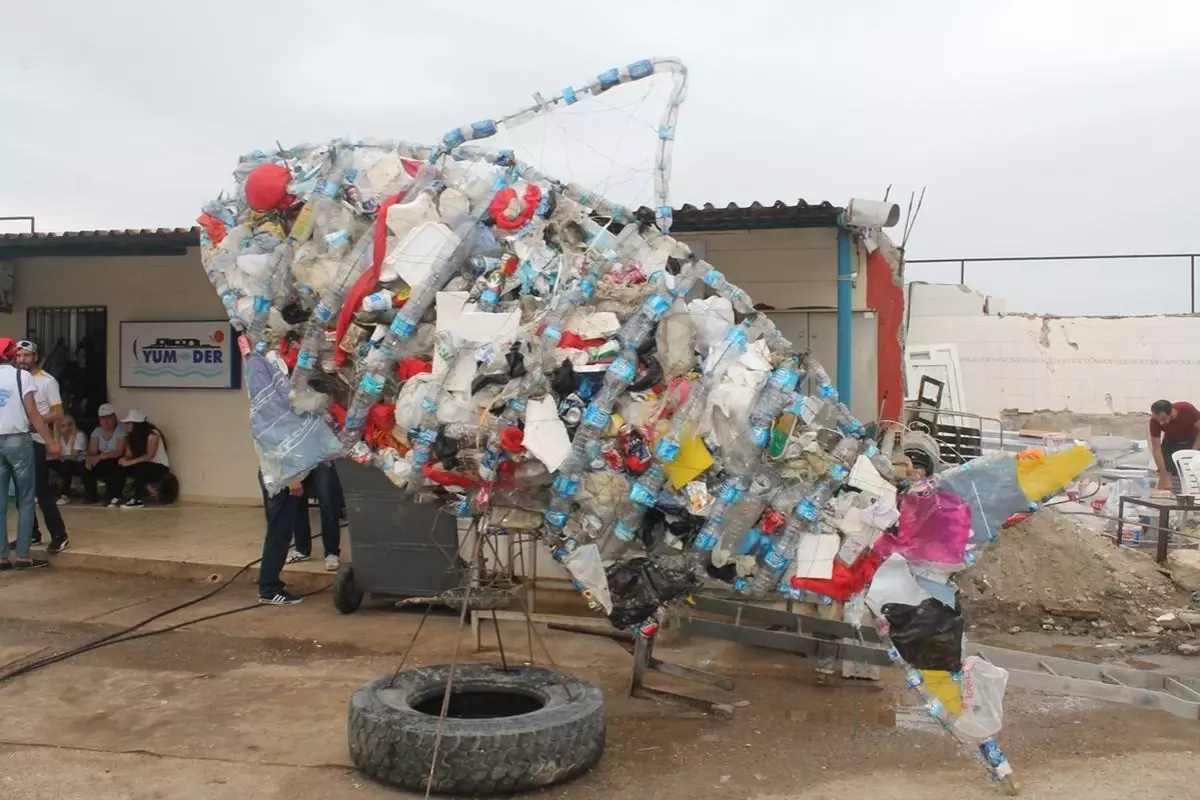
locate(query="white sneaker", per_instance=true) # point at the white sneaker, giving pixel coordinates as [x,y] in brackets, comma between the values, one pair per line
[332,563]
[63,501]
[295,556]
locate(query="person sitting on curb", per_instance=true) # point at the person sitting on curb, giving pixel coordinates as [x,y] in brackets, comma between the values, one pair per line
[146,457]
[18,413]
[69,464]
[106,448]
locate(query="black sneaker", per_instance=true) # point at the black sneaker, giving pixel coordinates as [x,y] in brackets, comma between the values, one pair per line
[134,504]
[280,598]
[5,565]
[33,563]
[58,547]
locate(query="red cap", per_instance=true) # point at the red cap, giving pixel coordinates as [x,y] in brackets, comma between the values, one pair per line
[512,439]
[8,349]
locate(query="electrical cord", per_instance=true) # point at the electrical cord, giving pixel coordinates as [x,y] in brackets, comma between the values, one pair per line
[129,633]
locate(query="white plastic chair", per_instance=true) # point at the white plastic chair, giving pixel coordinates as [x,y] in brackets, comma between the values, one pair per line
[1187,465]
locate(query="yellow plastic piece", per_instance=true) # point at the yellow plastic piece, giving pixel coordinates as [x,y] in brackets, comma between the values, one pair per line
[939,684]
[694,459]
[1040,474]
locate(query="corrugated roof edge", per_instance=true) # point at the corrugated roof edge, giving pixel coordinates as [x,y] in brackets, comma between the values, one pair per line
[688,218]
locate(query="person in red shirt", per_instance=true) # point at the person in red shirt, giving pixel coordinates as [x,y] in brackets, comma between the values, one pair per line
[1173,427]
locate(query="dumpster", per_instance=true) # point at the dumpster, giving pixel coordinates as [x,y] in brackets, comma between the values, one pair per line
[400,548]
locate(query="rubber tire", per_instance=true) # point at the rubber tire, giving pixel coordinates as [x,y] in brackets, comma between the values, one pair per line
[347,597]
[393,743]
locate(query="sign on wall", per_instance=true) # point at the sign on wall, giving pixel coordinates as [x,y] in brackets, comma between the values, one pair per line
[179,355]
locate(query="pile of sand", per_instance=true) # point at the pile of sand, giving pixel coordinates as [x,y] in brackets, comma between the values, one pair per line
[1051,565]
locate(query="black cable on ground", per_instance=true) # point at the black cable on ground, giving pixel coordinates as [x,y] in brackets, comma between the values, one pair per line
[124,635]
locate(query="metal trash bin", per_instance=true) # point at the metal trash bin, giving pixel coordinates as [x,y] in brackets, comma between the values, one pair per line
[399,548]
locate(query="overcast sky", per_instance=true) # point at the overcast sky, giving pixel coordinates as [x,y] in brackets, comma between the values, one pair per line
[1039,127]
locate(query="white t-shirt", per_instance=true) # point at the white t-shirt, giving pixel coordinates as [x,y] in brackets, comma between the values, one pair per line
[47,395]
[73,451]
[13,418]
[160,455]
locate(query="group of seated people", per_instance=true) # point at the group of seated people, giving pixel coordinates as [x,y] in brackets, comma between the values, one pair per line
[116,451]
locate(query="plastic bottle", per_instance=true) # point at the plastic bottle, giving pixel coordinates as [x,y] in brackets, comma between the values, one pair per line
[777,558]
[598,413]
[379,362]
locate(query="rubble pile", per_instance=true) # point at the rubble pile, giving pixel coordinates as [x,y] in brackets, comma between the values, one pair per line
[1051,571]
[473,327]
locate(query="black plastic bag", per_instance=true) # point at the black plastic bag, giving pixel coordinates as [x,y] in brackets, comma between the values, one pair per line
[516,369]
[928,636]
[640,586]
[563,381]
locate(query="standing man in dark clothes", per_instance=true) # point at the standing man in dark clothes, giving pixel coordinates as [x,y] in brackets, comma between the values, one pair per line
[283,509]
[49,404]
[1173,427]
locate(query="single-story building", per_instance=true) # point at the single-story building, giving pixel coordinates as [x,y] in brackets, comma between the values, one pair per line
[74,290]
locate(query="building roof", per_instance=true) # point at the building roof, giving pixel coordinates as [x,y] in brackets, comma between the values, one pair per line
[175,241]
[131,242]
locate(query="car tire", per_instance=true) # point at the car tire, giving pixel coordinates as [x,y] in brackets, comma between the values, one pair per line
[347,597]
[507,730]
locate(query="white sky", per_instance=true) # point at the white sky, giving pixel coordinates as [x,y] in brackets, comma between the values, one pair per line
[1039,127]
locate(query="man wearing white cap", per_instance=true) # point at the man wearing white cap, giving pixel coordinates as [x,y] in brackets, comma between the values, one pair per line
[106,448]
[49,404]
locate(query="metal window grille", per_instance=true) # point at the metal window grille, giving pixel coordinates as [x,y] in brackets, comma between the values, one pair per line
[73,342]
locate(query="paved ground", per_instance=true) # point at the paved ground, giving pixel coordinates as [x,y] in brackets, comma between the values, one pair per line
[253,705]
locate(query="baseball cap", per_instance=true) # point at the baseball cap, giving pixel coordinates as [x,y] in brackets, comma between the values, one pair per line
[106,410]
[7,348]
[135,415]
[27,345]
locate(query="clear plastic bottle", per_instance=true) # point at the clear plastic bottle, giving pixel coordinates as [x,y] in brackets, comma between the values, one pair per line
[380,361]
[326,311]
[598,413]
[776,559]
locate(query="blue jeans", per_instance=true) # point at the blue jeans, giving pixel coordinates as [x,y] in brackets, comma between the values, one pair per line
[321,483]
[16,463]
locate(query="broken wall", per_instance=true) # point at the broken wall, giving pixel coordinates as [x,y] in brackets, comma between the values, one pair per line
[1104,372]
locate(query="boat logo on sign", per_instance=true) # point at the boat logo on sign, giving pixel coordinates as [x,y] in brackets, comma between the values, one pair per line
[180,358]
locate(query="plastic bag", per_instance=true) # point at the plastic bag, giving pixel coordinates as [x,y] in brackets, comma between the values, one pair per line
[934,526]
[588,571]
[983,686]
[928,636]
[991,491]
[640,585]
[289,444]
[1041,474]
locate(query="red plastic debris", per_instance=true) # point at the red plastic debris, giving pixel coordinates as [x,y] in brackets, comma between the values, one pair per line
[499,208]
[410,366]
[266,188]
[846,581]
[512,439]
[368,280]
[213,227]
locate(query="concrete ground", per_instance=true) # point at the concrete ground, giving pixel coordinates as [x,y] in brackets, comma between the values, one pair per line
[253,705]
[190,542]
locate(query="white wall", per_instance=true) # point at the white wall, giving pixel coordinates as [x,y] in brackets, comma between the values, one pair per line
[785,268]
[208,430]
[1088,365]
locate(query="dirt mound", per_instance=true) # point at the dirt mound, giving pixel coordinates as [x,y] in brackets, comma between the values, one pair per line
[1051,570]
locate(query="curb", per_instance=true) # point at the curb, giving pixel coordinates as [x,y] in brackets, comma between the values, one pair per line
[297,580]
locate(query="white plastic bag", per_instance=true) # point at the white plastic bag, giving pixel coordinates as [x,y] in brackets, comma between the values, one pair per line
[983,687]
[587,567]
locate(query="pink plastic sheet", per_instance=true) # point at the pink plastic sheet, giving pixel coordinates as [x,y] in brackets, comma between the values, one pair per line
[934,526]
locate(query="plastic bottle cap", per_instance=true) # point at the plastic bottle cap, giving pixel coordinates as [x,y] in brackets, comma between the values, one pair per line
[512,439]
